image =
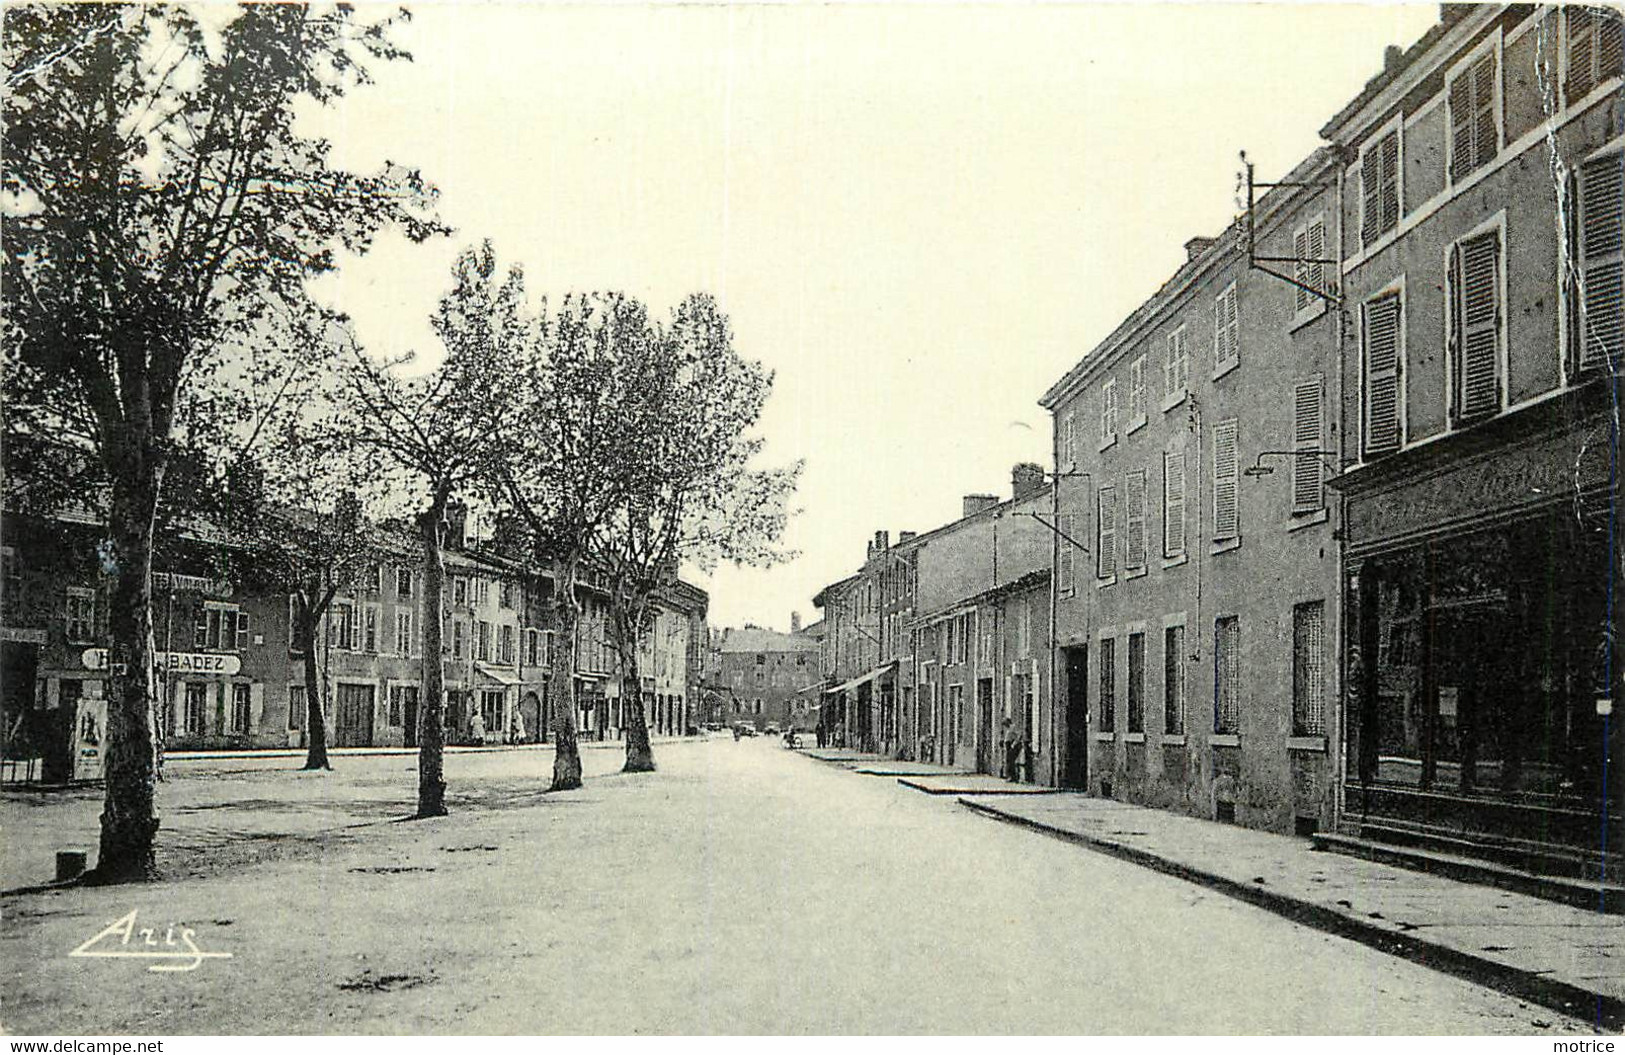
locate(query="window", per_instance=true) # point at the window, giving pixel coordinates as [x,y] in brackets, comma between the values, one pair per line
[1475,120]
[1108,411]
[459,639]
[533,648]
[369,628]
[403,631]
[1173,504]
[1108,685]
[1173,680]
[372,578]
[484,642]
[197,708]
[1307,491]
[1176,368]
[1600,300]
[1309,250]
[1134,544]
[1226,330]
[1024,628]
[1384,362]
[1226,673]
[403,583]
[220,627]
[760,659]
[1379,187]
[505,645]
[1106,532]
[293,625]
[296,706]
[81,614]
[482,590]
[342,626]
[1136,683]
[491,711]
[1067,564]
[459,591]
[1136,393]
[1596,49]
[1475,327]
[1309,669]
[507,594]
[1226,459]
[12,583]
[241,707]
[403,700]
[1069,439]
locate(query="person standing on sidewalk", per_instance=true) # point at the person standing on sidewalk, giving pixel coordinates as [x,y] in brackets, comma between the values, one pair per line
[1012,749]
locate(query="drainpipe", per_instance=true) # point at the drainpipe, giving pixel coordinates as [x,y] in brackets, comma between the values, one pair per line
[1339,535]
[1054,606]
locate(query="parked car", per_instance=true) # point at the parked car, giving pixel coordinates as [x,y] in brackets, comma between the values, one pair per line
[772,729]
[745,729]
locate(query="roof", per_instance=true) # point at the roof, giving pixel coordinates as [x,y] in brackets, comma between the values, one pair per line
[1030,581]
[1449,16]
[758,639]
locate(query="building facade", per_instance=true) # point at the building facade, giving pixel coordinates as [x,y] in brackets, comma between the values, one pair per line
[1483,284]
[1197,592]
[769,678]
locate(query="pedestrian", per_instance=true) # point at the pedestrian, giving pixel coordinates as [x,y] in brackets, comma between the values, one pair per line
[823,735]
[1012,748]
[476,728]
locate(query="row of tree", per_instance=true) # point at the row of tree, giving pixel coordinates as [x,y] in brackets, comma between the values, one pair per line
[163,217]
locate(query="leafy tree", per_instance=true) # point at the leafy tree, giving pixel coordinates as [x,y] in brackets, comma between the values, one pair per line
[160,205]
[440,433]
[689,489]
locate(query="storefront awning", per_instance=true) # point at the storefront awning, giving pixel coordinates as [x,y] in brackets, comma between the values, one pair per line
[494,674]
[862,679]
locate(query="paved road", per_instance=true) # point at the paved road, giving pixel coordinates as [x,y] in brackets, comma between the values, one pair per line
[740,889]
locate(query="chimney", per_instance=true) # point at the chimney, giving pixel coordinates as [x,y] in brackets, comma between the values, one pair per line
[795,622]
[906,536]
[456,525]
[1391,55]
[1197,246]
[1026,478]
[882,541]
[974,504]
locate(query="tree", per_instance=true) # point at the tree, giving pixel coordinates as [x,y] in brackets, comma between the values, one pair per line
[556,476]
[689,490]
[441,433]
[159,202]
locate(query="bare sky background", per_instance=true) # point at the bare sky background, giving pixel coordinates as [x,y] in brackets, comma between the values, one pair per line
[918,216]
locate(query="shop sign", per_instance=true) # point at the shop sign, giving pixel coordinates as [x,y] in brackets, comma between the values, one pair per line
[164,580]
[205,663]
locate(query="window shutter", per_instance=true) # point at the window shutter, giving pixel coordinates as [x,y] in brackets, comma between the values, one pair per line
[1134,557]
[1136,389]
[1302,298]
[1610,44]
[1106,512]
[1371,195]
[1602,237]
[1306,433]
[1226,336]
[1477,326]
[1170,374]
[1068,570]
[1317,251]
[1173,503]
[200,629]
[1389,196]
[1582,34]
[242,630]
[1486,129]
[1383,368]
[1461,126]
[1226,515]
[1183,360]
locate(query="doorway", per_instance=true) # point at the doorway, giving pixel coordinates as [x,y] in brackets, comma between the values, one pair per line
[985,757]
[1075,768]
[353,719]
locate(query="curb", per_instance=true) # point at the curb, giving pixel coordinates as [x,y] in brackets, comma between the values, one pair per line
[1600,1009]
[913,782]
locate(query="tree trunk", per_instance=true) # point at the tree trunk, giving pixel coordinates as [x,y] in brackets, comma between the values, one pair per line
[431,730]
[640,755]
[315,692]
[566,752]
[130,811]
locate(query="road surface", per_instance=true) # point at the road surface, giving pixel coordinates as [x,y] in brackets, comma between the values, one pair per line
[741,889]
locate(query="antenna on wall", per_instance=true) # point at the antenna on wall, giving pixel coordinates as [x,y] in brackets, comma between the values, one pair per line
[1260,263]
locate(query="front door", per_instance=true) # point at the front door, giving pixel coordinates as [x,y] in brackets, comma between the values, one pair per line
[986,756]
[1075,770]
[353,719]
[409,716]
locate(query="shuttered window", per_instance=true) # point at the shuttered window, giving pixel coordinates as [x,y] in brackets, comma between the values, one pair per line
[1383,366]
[1475,123]
[1108,684]
[1108,411]
[1173,680]
[1596,49]
[1226,329]
[1379,188]
[1601,297]
[1309,669]
[1475,326]
[1134,545]
[1069,439]
[1226,674]
[1067,572]
[1308,249]
[1176,366]
[1307,494]
[1136,391]
[1106,532]
[1226,514]
[1173,504]
[1136,683]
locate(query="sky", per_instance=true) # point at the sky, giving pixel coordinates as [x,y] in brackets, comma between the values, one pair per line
[918,217]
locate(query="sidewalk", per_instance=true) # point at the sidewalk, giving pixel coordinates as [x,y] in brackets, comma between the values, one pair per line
[450,749]
[1565,958]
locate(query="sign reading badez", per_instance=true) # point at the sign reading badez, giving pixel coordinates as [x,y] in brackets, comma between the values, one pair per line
[174,662]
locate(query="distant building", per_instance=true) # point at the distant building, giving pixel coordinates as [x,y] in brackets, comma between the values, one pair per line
[764,677]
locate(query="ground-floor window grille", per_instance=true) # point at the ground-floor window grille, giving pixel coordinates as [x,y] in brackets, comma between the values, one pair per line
[1226,673]
[1136,683]
[1173,680]
[1309,669]
[1108,685]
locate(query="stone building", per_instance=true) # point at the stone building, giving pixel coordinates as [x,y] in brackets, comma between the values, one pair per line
[768,677]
